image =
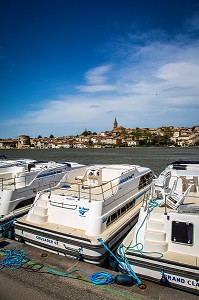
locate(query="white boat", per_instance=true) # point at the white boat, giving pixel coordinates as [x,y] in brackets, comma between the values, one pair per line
[164,244]
[99,201]
[21,179]
[6,163]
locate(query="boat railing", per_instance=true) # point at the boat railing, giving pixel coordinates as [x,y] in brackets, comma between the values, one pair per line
[82,189]
[95,193]
[25,181]
[150,195]
[7,183]
[92,193]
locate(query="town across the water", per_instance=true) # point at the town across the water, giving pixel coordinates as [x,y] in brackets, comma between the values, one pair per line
[119,136]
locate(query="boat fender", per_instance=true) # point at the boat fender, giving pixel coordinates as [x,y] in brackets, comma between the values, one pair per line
[80,257]
[21,240]
[124,279]
[164,281]
[7,229]
[11,233]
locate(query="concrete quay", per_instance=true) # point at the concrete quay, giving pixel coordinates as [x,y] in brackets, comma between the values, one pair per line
[32,280]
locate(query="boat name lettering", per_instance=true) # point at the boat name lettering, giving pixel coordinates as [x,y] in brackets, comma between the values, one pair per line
[191,282]
[82,211]
[41,238]
[126,178]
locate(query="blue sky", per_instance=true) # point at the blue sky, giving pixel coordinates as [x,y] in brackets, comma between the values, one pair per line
[69,65]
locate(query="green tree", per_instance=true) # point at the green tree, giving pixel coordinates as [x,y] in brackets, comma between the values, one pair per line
[86,132]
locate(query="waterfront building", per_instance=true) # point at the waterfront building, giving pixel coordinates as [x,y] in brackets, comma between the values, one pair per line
[24,142]
[8,144]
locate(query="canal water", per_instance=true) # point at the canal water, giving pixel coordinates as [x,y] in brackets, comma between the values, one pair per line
[155,158]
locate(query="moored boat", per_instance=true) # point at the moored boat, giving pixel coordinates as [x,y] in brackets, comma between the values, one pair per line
[99,201]
[163,246]
[21,179]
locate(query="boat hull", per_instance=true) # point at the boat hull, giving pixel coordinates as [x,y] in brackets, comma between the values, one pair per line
[163,246]
[89,249]
[93,202]
[178,275]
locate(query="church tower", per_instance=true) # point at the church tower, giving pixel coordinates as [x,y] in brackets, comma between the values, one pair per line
[115,124]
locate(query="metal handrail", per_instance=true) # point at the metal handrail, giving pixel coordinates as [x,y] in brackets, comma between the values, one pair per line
[90,190]
[11,182]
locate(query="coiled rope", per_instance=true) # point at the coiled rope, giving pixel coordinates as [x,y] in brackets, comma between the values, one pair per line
[95,278]
[14,258]
[102,278]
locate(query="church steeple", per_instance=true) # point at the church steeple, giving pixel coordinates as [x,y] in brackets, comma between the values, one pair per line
[115,124]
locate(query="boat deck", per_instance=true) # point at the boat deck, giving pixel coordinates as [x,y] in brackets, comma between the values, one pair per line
[61,229]
[101,192]
[191,200]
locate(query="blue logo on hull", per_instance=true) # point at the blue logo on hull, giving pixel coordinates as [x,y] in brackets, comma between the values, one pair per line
[82,211]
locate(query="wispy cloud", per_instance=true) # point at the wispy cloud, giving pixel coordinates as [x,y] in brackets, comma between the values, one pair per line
[152,81]
[96,88]
[97,75]
[96,79]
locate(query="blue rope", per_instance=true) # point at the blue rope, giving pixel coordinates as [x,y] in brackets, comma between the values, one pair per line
[5,227]
[152,205]
[66,273]
[138,247]
[14,259]
[96,278]
[129,271]
[102,278]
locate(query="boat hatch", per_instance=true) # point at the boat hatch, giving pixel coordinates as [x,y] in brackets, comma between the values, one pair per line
[182,232]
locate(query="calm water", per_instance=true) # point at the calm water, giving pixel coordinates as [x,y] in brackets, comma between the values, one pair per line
[154,158]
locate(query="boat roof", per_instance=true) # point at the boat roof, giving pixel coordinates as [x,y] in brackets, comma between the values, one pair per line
[186,173]
[184,162]
[183,165]
[117,166]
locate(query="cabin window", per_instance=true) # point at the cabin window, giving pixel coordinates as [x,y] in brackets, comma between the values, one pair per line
[114,217]
[120,212]
[145,180]
[182,232]
[123,210]
[108,221]
[131,203]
